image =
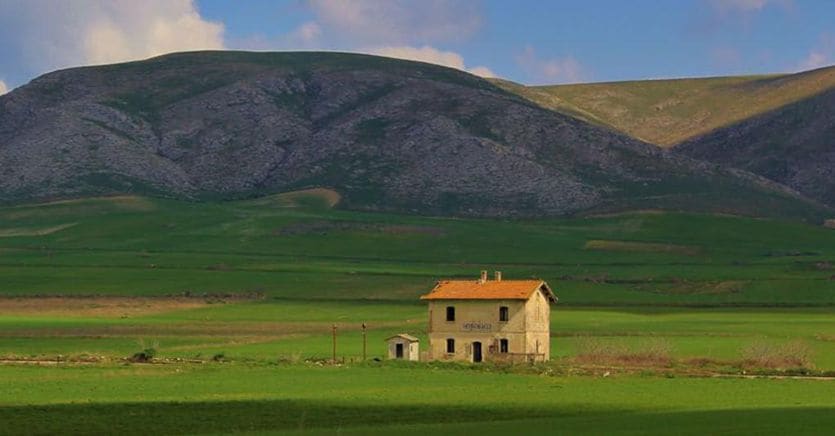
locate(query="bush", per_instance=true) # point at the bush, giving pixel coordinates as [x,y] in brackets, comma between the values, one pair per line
[147,354]
[652,352]
[763,354]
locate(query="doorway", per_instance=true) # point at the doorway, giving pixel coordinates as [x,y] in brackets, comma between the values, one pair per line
[398,351]
[477,352]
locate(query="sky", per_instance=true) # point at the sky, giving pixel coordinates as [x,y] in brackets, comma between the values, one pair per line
[527,41]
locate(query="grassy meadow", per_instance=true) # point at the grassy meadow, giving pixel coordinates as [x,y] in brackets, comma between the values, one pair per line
[661,318]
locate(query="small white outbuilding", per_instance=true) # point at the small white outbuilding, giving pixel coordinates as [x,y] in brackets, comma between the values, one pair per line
[403,346]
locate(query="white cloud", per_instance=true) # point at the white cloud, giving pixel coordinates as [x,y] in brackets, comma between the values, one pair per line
[3,88]
[398,22]
[308,32]
[554,70]
[744,8]
[56,34]
[738,5]
[822,55]
[432,56]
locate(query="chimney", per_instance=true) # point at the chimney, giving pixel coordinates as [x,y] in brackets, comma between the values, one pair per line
[483,278]
[498,276]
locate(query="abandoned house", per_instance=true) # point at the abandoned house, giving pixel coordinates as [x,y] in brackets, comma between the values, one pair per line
[492,320]
[404,347]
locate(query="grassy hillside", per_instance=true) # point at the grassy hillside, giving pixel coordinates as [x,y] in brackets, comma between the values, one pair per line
[300,248]
[668,112]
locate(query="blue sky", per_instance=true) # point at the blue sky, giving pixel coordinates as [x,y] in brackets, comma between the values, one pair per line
[528,41]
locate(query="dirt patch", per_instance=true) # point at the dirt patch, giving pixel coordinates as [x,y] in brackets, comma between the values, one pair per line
[105,307]
[31,231]
[641,247]
[131,202]
[823,266]
[320,196]
[198,329]
[628,213]
[325,227]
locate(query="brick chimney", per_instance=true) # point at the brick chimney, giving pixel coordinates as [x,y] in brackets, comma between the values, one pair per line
[483,278]
[498,276]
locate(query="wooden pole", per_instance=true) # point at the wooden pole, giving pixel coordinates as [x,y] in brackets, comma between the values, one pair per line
[364,342]
[334,344]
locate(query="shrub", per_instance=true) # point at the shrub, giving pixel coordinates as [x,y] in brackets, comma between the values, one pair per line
[147,354]
[763,354]
[652,352]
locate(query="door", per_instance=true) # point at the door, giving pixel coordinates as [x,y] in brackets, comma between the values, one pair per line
[398,351]
[476,352]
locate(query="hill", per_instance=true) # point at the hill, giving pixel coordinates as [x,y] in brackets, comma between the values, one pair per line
[668,112]
[793,145]
[384,134]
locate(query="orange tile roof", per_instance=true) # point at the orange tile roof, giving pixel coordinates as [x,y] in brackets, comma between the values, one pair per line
[488,290]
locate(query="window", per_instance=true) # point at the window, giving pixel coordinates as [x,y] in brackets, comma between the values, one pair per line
[503,346]
[450,345]
[504,314]
[450,313]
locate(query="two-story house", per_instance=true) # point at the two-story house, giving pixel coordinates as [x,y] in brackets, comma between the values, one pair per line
[496,320]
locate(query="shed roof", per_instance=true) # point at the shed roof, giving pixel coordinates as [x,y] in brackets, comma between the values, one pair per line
[488,290]
[405,336]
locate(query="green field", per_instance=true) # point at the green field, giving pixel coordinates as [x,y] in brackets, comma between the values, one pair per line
[237,299]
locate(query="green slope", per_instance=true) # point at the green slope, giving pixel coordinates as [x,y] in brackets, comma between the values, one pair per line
[304,250]
[668,112]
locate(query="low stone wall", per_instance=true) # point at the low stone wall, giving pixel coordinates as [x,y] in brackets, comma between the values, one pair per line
[830,224]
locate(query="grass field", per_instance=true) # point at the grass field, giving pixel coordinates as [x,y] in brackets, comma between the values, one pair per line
[251,289]
[374,399]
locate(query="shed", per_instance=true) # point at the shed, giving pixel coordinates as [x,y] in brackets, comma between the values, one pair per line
[403,346]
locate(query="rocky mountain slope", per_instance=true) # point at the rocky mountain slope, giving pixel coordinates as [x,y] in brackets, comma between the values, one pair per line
[793,145]
[386,134]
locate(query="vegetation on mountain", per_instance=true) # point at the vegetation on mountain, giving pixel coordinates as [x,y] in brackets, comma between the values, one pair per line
[670,111]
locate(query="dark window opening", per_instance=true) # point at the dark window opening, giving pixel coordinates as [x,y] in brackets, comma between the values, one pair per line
[450,313]
[504,314]
[503,346]
[450,345]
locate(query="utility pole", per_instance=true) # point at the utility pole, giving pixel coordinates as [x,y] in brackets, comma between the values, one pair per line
[334,343]
[364,342]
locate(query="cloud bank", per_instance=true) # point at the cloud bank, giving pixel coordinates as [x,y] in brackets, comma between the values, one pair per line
[56,34]
[822,55]
[399,22]
[551,70]
[403,29]
[432,56]
[3,88]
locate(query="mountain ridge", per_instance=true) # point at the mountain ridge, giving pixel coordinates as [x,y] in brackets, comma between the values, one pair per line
[387,134]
